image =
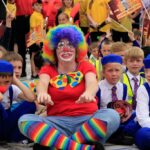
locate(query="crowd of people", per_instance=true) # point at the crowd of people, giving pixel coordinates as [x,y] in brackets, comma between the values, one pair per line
[90,79]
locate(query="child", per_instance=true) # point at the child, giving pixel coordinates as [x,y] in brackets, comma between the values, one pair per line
[142,139]
[67,8]
[11,88]
[119,48]
[112,70]
[95,59]
[16,60]
[36,23]
[113,94]
[62,18]
[133,60]
[105,47]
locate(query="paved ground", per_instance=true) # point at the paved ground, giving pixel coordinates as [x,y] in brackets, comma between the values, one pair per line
[107,147]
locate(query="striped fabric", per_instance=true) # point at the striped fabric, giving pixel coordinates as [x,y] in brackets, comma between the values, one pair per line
[42,133]
[91,131]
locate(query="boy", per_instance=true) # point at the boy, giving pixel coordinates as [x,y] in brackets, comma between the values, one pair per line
[112,92]
[11,89]
[105,47]
[133,60]
[142,139]
[119,48]
[112,70]
[37,27]
[16,60]
[95,58]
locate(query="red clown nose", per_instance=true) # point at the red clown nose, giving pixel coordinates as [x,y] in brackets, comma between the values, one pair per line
[65,49]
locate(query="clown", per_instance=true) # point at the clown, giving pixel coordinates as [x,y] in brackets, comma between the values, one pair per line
[68,87]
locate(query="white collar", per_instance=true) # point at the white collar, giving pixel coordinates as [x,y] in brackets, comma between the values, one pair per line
[108,85]
[131,76]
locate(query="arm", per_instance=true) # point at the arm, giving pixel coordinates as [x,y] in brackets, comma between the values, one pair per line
[26,93]
[91,87]
[142,109]
[91,21]
[42,88]
[131,36]
[5,40]
[1,96]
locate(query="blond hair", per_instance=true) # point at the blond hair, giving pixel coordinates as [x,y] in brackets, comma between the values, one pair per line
[12,56]
[134,52]
[118,47]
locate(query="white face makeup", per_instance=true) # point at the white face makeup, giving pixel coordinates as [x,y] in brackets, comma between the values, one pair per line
[65,51]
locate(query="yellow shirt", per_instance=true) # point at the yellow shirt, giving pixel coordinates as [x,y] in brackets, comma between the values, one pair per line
[36,19]
[82,12]
[68,11]
[99,12]
[12,8]
[126,22]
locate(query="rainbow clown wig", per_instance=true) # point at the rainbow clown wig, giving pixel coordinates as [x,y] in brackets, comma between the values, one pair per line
[69,32]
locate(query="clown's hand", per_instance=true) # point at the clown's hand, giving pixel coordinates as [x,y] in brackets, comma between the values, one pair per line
[123,108]
[44,98]
[86,97]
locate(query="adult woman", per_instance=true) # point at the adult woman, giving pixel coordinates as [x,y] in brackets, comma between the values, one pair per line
[72,116]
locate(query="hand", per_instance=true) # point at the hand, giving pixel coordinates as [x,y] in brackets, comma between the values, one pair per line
[44,98]
[94,25]
[108,20]
[9,18]
[15,79]
[1,96]
[86,97]
[131,36]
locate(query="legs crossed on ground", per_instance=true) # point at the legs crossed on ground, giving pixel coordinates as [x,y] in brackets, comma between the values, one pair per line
[47,135]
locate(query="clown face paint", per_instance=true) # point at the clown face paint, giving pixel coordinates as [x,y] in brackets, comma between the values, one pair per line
[65,51]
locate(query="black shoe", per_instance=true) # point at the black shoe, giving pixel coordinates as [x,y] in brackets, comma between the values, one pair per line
[99,146]
[121,140]
[40,147]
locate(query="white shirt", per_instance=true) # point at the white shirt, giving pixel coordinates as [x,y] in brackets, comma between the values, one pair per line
[106,92]
[6,100]
[142,108]
[131,79]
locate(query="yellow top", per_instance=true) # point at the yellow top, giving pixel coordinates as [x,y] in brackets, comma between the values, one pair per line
[36,19]
[82,12]
[12,8]
[99,12]
[126,22]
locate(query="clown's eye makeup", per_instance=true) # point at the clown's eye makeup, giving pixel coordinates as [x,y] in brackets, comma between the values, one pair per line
[62,44]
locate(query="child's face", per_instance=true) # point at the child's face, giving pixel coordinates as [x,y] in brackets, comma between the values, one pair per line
[105,50]
[94,52]
[17,68]
[68,3]
[37,7]
[112,72]
[5,82]
[147,74]
[62,19]
[121,53]
[134,65]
